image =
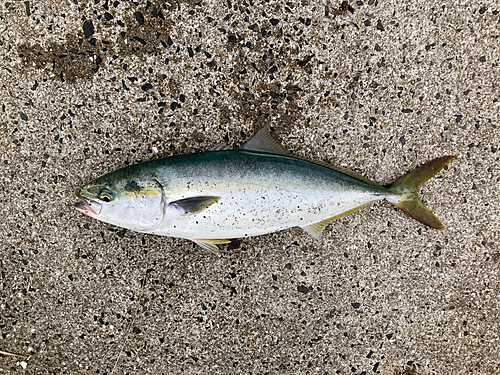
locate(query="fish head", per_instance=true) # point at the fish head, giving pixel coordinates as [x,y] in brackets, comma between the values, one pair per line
[123,200]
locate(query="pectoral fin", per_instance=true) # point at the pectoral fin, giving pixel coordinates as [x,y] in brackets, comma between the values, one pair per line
[194,205]
[210,244]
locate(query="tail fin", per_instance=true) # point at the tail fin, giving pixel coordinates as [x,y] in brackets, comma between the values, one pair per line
[408,186]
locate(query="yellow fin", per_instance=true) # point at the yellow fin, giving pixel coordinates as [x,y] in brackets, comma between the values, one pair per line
[315,229]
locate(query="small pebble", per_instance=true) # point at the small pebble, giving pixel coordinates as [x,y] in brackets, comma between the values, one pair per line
[88,28]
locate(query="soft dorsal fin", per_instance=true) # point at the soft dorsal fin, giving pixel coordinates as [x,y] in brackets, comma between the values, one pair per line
[220,147]
[341,170]
[264,142]
[194,205]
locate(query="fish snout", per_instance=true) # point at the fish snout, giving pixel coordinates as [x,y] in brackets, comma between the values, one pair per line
[87,206]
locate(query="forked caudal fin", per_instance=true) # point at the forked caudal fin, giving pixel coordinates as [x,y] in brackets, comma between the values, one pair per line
[408,186]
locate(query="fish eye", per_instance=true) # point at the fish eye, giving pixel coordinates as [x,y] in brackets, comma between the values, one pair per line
[106,195]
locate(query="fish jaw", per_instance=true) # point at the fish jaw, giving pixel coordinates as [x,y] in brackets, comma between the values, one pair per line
[88,206]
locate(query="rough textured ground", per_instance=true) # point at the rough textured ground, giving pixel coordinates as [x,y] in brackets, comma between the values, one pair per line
[376,86]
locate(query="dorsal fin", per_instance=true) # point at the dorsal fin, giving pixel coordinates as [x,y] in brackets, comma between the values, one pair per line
[264,142]
[341,170]
[220,147]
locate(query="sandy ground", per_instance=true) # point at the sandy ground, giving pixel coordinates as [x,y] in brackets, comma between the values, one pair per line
[377,86]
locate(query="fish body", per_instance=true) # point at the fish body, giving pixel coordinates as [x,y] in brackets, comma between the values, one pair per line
[210,197]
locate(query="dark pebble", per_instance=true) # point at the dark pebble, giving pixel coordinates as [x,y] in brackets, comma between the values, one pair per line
[274,21]
[28,12]
[139,17]
[108,16]
[174,105]
[377,48]
[140,40]
[34,86]
[70,277]
[482,59]
[182,98]
[146,87]
[407,110]
[402,140]
[23,115]
[367,23]
[136,330]
[305,61]
[302,289]
[190,52]
[481,11]
[232,38]
[88,28]
[389,335]
[380,26]
[288,266]
[458,118]
[356,305]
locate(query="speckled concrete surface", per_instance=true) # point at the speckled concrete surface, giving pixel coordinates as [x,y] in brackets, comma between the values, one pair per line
[376,86]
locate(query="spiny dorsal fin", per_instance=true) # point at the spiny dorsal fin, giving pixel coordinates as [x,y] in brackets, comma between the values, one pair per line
[315,229]
[220,147]
[264,142]
[194,205]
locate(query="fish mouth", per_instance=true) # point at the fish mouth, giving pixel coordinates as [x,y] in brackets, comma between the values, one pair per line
[87,206]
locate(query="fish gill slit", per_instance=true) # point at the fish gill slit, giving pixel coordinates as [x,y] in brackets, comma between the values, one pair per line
[163,203]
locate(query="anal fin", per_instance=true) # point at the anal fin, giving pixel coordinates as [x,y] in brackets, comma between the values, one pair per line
[210,244]
[315,229]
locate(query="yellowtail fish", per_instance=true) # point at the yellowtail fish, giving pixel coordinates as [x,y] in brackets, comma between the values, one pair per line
[211,197]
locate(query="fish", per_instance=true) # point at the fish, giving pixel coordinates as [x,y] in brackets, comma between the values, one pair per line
[221,194]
